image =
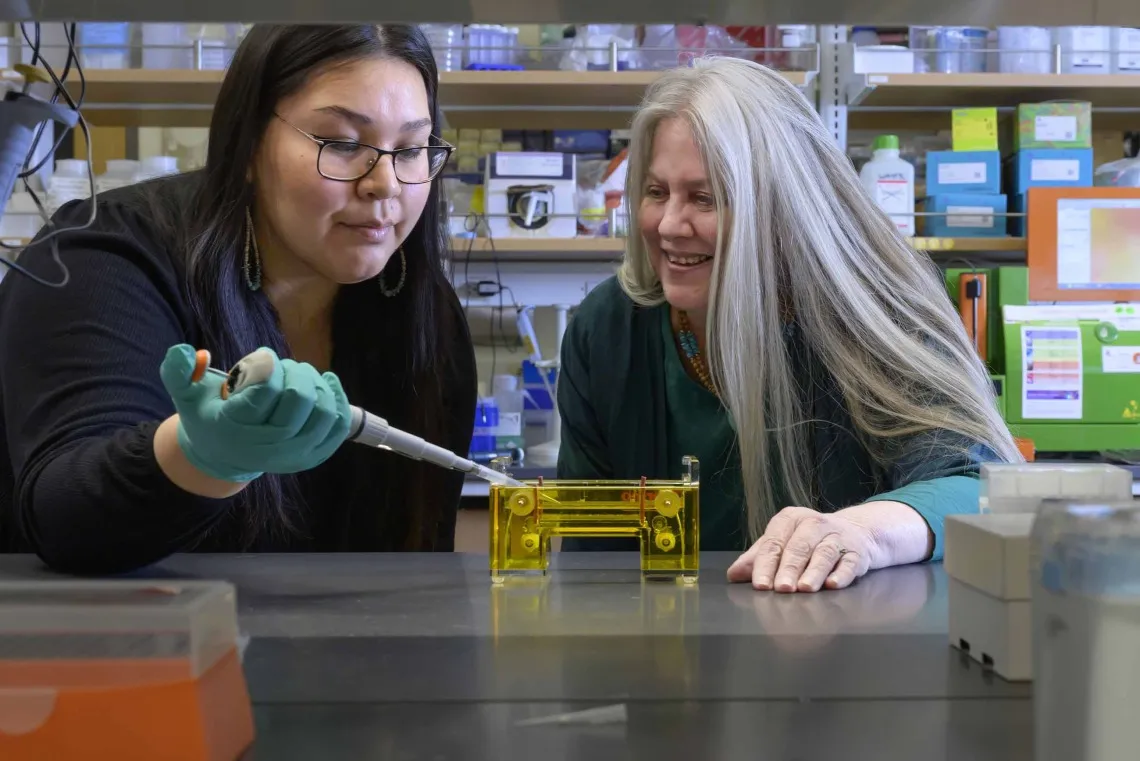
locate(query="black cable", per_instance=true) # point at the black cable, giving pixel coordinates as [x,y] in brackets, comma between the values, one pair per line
[60,91]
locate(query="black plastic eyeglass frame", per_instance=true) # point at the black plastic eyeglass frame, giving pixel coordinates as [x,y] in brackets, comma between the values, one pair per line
[380,153]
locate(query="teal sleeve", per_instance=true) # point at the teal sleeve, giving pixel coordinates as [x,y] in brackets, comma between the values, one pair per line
[934,500]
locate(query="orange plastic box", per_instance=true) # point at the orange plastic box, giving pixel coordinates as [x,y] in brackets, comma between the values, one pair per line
[124,670]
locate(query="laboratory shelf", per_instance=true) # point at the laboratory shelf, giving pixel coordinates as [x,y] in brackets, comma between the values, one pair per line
[990,89]
[541,250]
[484,99]
[968,244]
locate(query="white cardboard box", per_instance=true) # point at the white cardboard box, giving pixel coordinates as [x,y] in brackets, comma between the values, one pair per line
[987,560]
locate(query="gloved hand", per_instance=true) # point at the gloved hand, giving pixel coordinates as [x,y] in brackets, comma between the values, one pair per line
[291,422]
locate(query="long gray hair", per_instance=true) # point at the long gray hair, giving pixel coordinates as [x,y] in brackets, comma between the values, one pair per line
[797,234]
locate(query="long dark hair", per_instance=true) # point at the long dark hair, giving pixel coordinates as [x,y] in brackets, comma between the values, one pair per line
[273,62]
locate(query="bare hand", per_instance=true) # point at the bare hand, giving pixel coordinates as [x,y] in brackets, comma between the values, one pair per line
[803,550]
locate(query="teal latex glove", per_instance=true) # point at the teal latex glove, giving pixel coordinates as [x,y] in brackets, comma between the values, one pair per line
[292,422]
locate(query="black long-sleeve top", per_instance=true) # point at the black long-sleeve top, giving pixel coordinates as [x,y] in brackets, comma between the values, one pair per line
[81,398]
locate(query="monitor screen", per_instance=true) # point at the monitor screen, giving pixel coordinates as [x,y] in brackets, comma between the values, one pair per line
[1098,244]
[1083,244]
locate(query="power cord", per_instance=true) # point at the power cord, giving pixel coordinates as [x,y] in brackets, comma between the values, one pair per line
[27,172]
[472,223]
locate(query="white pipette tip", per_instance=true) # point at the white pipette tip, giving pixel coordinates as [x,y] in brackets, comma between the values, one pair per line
[494,476]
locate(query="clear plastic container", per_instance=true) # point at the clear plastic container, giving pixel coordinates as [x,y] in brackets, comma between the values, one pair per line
[121,650]
[105,45]
[950,49]
[167,46]
[1086,630]
[1025,49]
[446,45]
[1085,49]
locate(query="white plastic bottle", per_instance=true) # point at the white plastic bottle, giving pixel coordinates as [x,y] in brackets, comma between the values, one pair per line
[890,182]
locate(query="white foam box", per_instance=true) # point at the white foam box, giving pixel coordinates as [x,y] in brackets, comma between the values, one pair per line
[530,195]
[987,560]
[1021,487]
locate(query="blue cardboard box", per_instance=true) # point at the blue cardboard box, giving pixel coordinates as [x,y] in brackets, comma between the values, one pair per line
[968,215]
[963,172]
[1050,168]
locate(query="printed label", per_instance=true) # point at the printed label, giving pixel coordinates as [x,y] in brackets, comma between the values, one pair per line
[529,164]
[1052,374]
[978,216]
[1054,170]
[891,196]
[1051,129]
[962,174]
[1120,359]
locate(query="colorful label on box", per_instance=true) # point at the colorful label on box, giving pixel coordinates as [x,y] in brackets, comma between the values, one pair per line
[962,174]
[1051,129]
[1052,373]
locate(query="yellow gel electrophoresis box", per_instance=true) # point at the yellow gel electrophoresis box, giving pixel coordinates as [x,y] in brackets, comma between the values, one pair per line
[664,515]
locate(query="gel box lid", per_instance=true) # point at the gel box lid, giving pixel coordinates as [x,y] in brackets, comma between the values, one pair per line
[182,628]
[990,552]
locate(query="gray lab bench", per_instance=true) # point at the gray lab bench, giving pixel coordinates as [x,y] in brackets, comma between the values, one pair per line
[402,657]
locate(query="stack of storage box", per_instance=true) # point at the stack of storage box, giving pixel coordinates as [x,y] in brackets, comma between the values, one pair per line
[963,186]
[1052,145]
[988,555]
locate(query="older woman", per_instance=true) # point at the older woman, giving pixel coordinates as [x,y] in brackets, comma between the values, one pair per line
[769,319]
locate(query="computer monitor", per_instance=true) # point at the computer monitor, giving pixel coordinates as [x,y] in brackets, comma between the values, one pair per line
[1083,244]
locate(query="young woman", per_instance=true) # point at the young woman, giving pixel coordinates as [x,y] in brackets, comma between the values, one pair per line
[315,231]
[769,319]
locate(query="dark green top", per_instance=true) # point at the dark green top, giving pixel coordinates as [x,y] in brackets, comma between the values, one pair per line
[629,409]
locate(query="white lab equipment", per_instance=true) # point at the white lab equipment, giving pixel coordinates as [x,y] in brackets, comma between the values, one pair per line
[890,182]
[1086,625]
[1021,487]
[987,555]
[1085,49]
[1125,50]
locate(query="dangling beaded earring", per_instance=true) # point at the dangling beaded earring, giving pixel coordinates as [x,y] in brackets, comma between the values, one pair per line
[390,292]
[253,281]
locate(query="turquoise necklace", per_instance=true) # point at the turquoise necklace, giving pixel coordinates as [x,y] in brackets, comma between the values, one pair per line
[689,345]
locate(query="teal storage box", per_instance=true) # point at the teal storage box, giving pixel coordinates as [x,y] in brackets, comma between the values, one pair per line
[1017,206]
[1050,168]
[963,172]
[967,215]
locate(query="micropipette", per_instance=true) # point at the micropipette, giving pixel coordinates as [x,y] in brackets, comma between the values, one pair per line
[368,429]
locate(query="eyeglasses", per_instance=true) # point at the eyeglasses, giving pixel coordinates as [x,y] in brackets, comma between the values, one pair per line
[349,161]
